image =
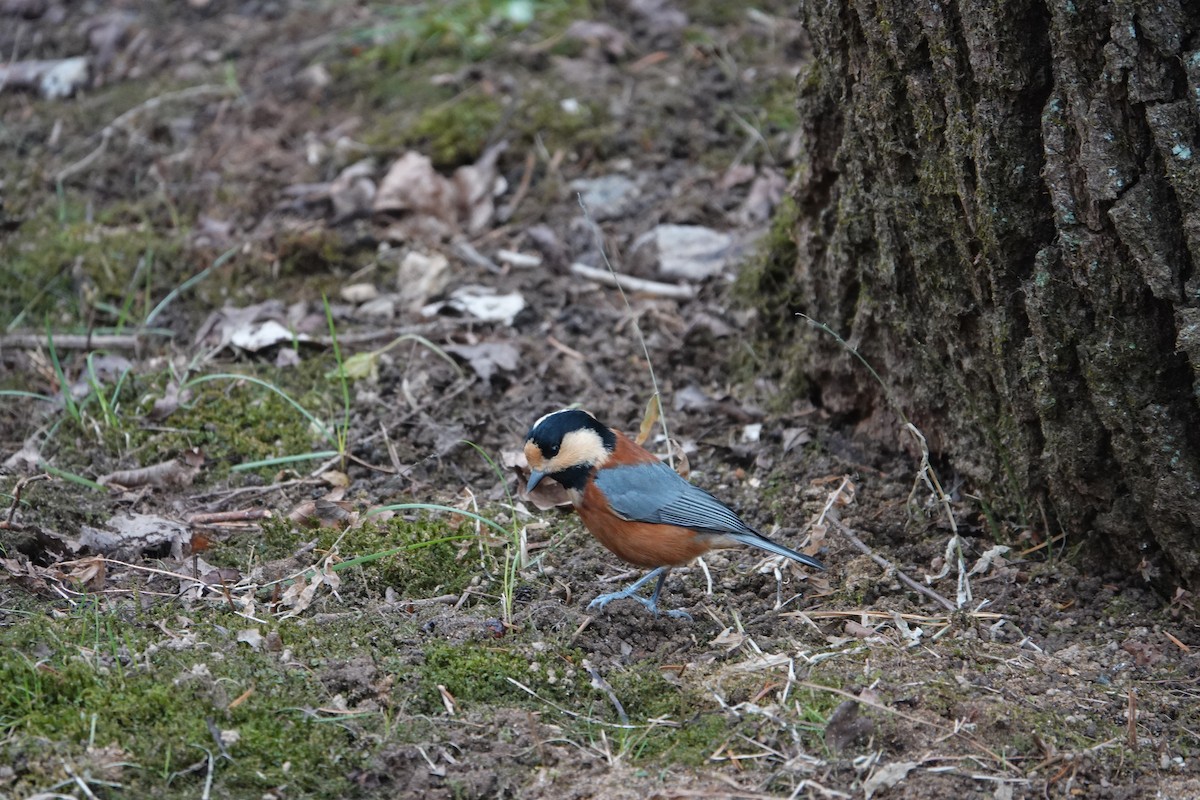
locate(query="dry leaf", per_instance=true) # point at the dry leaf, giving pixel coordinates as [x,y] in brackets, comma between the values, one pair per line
[546,495]
[648,420]
[176,472]
[481,302]
[252,637]
[128,536]
[887,776]
[88,571]
[462,203]
[486,358]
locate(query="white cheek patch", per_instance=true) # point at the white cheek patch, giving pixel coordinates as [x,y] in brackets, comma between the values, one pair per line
[579,448]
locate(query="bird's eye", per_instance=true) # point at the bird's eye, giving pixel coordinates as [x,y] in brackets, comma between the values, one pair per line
[553,451]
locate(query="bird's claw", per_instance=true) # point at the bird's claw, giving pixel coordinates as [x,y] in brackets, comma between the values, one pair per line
[602,600]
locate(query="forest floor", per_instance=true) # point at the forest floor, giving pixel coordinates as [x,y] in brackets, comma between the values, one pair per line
[203,590]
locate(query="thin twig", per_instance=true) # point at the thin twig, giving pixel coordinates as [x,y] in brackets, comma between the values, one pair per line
[120,122]
[602,685]
[208,779]
[662,412]
[674,291]
[571,713]
[80,782]
[21,484]
[77,341]
[883,562]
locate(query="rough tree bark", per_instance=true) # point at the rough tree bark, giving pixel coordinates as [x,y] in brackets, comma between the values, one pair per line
[999,206]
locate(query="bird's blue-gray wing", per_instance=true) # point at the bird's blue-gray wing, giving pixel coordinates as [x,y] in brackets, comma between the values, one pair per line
[656,493]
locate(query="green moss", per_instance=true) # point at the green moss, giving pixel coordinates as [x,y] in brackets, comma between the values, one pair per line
[70,272]
[315,252]
[541,118]
[455,133]
[768,283]
[97,677]
[435,558]
[234,422]
[477,675]
[775,103]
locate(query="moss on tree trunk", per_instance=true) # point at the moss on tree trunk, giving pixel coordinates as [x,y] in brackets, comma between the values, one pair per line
[999,205]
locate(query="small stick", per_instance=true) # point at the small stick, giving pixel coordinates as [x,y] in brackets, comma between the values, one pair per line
[124,119]
[883,562]
[80,782]
[74,341]
[569,352]
[522,188]
[221,517]
[208,779]
[675,291]
[21,484]
[602,685]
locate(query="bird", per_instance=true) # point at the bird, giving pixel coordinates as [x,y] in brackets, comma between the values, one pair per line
[637,506]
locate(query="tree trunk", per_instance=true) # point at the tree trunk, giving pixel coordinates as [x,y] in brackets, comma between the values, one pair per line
[999,205]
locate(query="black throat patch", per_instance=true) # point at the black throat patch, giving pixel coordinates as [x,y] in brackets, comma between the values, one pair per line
[574,478]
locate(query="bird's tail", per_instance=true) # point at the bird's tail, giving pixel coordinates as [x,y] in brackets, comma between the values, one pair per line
[763,543]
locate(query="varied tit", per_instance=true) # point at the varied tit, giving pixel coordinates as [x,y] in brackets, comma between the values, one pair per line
[637,506]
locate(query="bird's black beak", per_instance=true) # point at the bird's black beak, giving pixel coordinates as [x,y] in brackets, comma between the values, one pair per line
[535,478]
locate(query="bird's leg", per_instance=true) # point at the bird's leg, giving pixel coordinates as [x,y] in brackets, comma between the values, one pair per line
[650,603]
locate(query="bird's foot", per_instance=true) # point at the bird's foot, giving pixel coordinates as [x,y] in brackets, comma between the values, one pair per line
[650,603]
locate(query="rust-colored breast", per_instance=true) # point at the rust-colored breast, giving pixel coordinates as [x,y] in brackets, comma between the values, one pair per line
[645,544]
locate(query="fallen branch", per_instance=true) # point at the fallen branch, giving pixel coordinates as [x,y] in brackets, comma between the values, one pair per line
[675,291]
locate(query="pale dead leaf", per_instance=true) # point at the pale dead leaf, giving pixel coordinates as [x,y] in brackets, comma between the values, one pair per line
[88,571]
[488,357]
[352,192]
[421,276]
[413,185]
[26,459]
[476,185]
[994,556]
[261,335]
[765,194]
[359,293]
[729,639]
[464,202]
[128,535]
[481,302]
[887,776]
[252,637]
[335,478]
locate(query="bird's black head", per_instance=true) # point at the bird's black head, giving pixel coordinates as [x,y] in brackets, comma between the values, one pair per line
[567,445]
